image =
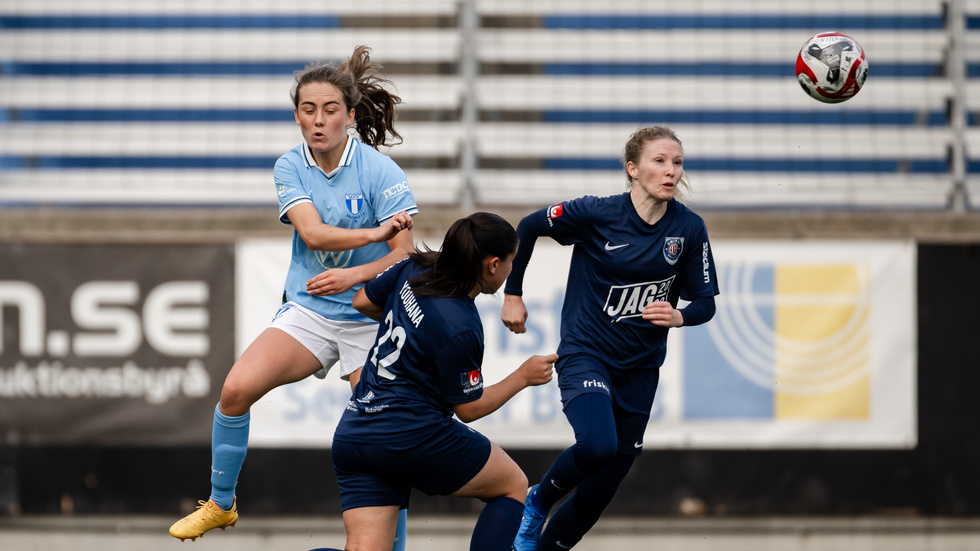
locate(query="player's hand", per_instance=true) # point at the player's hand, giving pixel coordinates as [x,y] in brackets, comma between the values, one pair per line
[514,313]
[663,314]
[391,227]
[331,282]
[537,370]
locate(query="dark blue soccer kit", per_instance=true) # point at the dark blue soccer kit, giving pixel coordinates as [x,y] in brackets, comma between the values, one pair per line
[609,357]
[398,431]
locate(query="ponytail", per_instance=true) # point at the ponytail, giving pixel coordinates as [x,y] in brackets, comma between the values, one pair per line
[457,267]
[362,87]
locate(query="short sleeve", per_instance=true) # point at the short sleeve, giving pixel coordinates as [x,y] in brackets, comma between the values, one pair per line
[289,187]
[458,365]
[392,192]
[383,285]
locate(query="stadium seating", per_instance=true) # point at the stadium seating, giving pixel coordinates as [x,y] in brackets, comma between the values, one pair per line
[109,102]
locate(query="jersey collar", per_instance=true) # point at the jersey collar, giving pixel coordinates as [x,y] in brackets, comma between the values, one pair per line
[345,159]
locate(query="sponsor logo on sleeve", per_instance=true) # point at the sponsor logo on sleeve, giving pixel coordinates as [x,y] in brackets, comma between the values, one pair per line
[705,263]
[553,212]
[471,381]
[396,190]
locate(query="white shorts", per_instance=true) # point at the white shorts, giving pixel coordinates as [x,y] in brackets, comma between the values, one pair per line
[346,343]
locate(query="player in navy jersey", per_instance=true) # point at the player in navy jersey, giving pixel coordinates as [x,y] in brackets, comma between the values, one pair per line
[398,431]
[633,256]
[351,208]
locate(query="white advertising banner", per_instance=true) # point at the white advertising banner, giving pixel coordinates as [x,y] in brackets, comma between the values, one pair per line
[813,346]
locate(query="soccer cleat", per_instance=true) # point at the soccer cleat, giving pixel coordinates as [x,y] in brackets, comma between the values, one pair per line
[207,517]
[531,524]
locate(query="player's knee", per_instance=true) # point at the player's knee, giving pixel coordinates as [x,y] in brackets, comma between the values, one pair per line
[595,452]
[514,483]
[235,399]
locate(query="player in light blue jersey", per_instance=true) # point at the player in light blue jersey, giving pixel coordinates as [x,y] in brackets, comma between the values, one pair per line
[398,431]
[351,208]
[633,256]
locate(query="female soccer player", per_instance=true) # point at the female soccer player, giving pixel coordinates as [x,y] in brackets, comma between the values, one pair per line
[634,255]
[398,431]
[350,207]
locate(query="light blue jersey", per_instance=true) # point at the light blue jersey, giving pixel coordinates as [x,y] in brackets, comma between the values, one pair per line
[366,189]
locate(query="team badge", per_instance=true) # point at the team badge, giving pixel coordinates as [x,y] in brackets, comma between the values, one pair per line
[355,201]
[673,247]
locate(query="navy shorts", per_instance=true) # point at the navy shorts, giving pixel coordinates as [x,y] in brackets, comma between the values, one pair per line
[631,392]
[436,462]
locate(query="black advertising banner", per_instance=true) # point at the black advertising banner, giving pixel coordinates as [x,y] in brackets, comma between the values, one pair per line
[113,344]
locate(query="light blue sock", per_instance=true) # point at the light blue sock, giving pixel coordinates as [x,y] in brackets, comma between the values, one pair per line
[401,533]
[229,442]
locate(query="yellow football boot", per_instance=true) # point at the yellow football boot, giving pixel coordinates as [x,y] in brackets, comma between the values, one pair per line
[207,517]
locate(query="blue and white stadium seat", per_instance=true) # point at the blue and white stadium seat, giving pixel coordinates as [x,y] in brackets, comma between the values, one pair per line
[112,102]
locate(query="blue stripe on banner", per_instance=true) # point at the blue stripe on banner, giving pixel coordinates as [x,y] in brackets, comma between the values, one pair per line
[743,70]
[897,166]
[815,23]
[879,165]
[212,21]
[146,115]
[836,117]
[173,163]
[973,22]
[214,68]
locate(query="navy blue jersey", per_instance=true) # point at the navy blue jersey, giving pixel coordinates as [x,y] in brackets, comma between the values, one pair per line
[426,359]
[620,264]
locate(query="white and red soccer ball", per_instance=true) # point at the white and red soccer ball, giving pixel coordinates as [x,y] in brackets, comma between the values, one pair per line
[831,67]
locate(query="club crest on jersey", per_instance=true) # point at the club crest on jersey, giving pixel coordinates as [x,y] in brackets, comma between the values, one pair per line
[628,301]
[673,247]
[471,381]
[554,211]
[355,201]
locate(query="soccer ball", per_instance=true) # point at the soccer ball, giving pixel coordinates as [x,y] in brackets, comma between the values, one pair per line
[831,67]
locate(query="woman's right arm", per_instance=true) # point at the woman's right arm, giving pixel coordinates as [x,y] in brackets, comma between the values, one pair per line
[536,370]
[514,311]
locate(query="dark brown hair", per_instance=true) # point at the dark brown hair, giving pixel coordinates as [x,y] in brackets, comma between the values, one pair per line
[362,86]
[457,267]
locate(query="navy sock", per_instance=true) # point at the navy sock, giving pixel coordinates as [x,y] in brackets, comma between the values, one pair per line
[581,511]
[498,525]
[229,442]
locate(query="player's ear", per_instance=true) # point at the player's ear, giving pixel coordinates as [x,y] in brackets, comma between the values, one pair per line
[631,169]
[490,264]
